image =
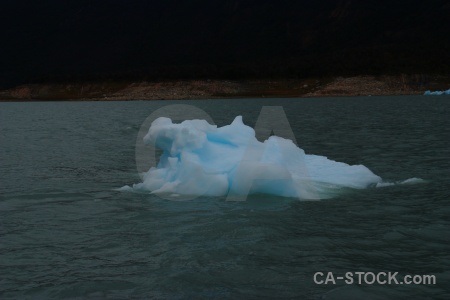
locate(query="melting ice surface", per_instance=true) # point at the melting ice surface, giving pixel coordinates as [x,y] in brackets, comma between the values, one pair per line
[437,93]
[202,159]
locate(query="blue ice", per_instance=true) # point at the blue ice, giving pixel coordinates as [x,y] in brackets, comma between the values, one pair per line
[437,93]
[206,160]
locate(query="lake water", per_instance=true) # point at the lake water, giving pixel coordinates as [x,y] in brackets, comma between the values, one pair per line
[66,232]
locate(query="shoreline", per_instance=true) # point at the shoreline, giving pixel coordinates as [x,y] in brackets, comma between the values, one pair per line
[228,89]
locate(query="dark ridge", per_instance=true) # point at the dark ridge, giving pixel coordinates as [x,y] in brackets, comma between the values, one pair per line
[62,41]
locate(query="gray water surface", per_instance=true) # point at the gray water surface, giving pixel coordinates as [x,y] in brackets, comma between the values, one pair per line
[66,232]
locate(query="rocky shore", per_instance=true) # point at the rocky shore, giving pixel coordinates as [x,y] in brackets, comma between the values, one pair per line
[208,89]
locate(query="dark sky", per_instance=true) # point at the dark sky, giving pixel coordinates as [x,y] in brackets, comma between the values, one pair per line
[84,40]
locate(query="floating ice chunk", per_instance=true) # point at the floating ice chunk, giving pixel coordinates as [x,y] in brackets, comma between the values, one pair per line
[409,181]
[437,93]
[202,159]
[413,180]
[384,184]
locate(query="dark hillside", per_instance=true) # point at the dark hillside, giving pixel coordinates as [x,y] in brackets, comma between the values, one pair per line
[115,39]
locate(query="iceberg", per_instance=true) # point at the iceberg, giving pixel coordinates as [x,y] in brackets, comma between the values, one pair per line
[201,159]
[437,93]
